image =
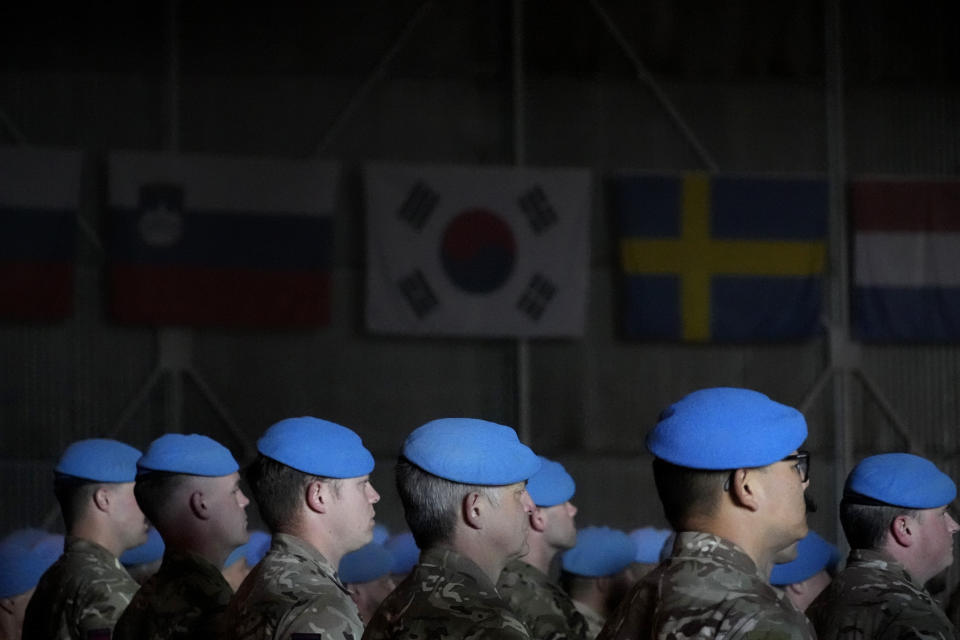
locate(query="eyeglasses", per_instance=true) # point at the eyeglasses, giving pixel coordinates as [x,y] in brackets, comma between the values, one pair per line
[802,459]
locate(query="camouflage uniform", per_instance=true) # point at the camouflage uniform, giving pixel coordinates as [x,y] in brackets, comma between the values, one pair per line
[541,605]
[875,597]
[594,620]
[294,592]
[708,588]
[185,599]
[81,596]
[445,596]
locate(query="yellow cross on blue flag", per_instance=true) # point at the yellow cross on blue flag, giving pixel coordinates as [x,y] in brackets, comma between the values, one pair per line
[721,258]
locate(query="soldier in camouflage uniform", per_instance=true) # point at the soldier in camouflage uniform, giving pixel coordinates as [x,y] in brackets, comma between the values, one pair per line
[462,486]
[732,483]
[894,514]
[84,593]
[596,573]
[311,482]
[524,583]
[366,573]
[189,487]
[24,556]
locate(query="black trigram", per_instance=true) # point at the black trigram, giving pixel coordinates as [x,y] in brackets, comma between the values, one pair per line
[418,293]
[419,205]
[538,210]
[537,296]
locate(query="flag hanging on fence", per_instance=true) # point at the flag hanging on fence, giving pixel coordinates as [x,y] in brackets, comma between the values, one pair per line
[906,259]
[39,203]
[205,240]
[721,258]
[477,251]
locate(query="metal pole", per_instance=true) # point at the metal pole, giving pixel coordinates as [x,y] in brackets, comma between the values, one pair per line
[378,72]
[522,347]
[658,93]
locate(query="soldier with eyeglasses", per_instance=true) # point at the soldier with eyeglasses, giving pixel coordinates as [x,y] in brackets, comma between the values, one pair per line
[731,479]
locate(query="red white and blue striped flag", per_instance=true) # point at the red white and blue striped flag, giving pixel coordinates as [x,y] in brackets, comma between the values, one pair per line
[206,240]
[39,202]
[477,251]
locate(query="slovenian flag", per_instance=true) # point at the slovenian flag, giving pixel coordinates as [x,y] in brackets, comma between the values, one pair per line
[39,203]
[205,240]
[906,259]
[477,251]
[721,257]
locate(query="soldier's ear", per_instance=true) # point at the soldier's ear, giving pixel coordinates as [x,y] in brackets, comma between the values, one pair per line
[317,496]
[900,530]
[743,489]
[101,498]
[538,522]
[472,508]
[7,605]
[198,506]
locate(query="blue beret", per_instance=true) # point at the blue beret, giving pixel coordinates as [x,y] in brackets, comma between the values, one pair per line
[99,460]
[405,552]
[814,554]
[599,552]
[252,551]
[317,447]
[470,451]
[366,564]
[21,565]
[726,428]
[552,485]
[380,533]
[902,480]
[192,454]
[649,543]
[149,551]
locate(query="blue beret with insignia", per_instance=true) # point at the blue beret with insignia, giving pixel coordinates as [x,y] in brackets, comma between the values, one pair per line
[99,460]
[366,564]
[649,543]
[471,451]
[814,554]
[404,551]
[193,454]
[149,551]
[551,485]
[22,563]
[726,428]
[599,552]
[317,447]
[902,480]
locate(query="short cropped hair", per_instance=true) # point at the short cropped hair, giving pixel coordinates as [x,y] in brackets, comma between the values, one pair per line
[153,490]
[431,504]
[279,490]
[686,492]
[74,496]
[866,525]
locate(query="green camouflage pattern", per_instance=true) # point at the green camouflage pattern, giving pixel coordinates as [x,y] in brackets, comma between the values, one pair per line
[446,596]
[293,590]
[543,607]
[82,594]
[875,597]
[708,588]
[185,599]
[595,621]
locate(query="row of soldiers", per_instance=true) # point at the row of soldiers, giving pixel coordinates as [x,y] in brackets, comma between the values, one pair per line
[728,470]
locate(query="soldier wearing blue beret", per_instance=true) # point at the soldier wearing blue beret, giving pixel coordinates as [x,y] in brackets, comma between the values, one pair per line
[462,483]
[366,573]
[525,583]
[895,515]
[24,556]
[596,573]
[87,589]
[731,478]
[189,487]
[311,481]
[806,576]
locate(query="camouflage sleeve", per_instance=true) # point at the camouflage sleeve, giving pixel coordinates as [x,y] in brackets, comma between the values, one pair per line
[916,626]
[101,606]
[319,619]
[773,627]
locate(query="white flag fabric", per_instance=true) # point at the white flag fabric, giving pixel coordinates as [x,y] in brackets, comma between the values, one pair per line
[477,251]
